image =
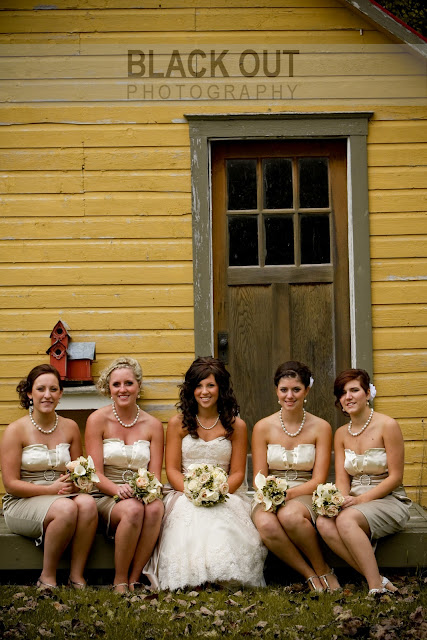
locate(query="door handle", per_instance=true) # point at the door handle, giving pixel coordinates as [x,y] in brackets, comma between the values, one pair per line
[223,347]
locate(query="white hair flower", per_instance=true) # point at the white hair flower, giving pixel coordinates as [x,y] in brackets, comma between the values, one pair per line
[372,390]
[311,382]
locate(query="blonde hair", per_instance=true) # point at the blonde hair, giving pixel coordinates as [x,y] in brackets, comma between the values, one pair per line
[103,384]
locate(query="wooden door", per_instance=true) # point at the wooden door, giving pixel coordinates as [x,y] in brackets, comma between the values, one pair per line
[280,265]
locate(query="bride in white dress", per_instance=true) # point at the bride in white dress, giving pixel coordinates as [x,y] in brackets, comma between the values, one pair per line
[218,544]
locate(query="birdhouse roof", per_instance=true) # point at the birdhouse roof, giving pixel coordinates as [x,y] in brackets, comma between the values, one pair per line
[64,324]
[81,351]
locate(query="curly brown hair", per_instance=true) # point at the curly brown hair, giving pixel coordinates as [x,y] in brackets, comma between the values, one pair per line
[26,384]
[228,408]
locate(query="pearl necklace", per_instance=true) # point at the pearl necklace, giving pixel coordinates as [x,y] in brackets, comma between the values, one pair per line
[207,428]
[293,435]
[121,421]
[45,431]
[350,424]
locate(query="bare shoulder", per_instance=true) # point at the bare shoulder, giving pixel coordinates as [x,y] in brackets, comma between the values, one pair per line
[388,423]
[97,417]
[153,422]
[340,434]
[70,425]
[239,425]
[263,425]
[175,423]
[15,431]
[319,423]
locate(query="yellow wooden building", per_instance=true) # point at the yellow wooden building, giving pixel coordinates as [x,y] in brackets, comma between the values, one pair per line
[245,178]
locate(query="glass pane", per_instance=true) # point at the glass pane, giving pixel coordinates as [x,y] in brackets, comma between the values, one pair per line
[243,240]
[279,240]
[277,176]
[313,183]
[241,184]
[315,242]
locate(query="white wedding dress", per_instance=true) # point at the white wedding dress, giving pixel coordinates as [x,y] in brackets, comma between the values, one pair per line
[219,544]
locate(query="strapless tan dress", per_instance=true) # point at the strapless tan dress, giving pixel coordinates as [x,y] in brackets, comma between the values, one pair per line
[39,465]
[120,461]
[385,515]
[296,465]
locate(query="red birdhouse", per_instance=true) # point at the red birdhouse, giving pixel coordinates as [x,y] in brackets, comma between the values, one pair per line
[72,359]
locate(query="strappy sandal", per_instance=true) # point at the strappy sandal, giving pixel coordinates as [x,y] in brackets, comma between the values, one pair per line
[310,581]
[79,586]
[376,592]
[137,586]
[44,586]
[385,581]
[324,578]
[120,584]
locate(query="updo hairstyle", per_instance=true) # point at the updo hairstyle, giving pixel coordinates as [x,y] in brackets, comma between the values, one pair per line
[293,369]
[26,384]
[346,376]
[103,383]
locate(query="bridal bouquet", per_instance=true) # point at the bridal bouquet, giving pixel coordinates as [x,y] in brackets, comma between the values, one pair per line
[145,486]
[327,500]
[271,491]
[82,473]
[206,485]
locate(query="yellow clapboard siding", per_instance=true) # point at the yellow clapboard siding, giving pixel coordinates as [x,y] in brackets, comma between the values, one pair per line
[109,64]
[170,4]
[394,384]
[95,297]
[399,407]
[99,273]
[177,181]
[74,20]
[41,182]
[102,135]
[415,452]
[135,113]
[398,200]
[399,315]
[113,159]
[412,475]
[417,495]
[392,132]
[402,361]
[289,19]
[397,155]
[91,250]
[392,224]
[364,89]
[397,178]
[400,247]
[388,338]
[77,182]
[100,320]
[398,269]
[124,341]
[413,428]
[404,292]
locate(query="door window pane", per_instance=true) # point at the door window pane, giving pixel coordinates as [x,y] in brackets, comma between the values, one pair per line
[243,240]
[315,241]
[277,177]
[241,184]
[313,183]
[279,240]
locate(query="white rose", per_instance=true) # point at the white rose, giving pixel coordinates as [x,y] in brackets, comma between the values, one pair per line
[84,484]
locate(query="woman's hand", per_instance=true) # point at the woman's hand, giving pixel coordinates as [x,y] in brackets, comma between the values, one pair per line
[63,485]
[124,491]
[350,501]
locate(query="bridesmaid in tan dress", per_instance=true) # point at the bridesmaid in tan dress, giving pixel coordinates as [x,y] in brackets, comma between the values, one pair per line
[41,500]
[369,456]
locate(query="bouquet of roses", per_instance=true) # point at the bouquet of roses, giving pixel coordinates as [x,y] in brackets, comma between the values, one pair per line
[271,491]
[327,500]
[206,485]
[82,473]
[145,486]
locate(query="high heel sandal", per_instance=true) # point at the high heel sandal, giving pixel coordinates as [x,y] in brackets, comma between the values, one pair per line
[324,578]
[120,584]
[45,585]
[79,586]
[383,589]
[385,581]
[310,582]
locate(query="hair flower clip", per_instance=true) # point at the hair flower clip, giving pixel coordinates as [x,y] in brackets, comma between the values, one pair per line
[372,390]
[311,382]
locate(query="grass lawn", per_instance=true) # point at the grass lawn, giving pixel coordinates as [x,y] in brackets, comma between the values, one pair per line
[274,612]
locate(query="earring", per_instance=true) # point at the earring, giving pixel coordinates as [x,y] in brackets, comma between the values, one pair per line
[305,400]
[31,402]
[278,402]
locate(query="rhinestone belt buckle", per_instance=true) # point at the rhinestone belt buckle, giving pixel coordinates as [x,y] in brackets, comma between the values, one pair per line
[291,474]
[365,480]
[127,475]
[49,475]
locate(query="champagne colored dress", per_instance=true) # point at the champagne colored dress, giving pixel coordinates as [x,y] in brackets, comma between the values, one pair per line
[42,466]
[385,515]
